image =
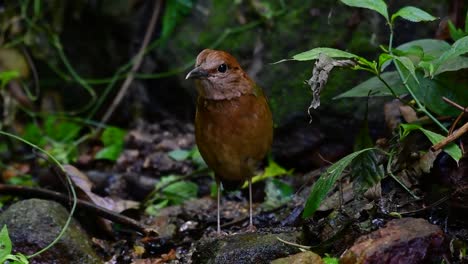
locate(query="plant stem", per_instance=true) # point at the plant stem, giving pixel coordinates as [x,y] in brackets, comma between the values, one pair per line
[421,107]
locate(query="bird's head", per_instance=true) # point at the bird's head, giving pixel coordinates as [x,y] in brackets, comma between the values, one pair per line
[219,76]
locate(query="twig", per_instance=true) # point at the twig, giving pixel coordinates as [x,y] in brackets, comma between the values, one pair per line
[83,205]
[458,133]
[293,244]
[452,103]
[136,64]
[436,203]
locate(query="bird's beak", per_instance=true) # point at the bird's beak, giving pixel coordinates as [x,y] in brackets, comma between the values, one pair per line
[197,73]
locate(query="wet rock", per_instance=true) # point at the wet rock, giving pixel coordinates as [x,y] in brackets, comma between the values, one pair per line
[245,248]
[307,257]
[407,240]
[34,223]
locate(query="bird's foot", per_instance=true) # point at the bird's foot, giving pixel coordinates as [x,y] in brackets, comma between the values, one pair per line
[251,229]
[220,234]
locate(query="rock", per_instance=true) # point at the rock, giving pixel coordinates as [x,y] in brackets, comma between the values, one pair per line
[245,248]
[307,257]
[34,223]
[407,240]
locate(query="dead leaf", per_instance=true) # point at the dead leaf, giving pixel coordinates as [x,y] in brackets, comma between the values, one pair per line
[392,114]
[408,113]
[85,186]
[320,74]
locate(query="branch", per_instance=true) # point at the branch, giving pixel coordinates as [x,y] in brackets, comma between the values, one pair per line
[136,64]
[458,133]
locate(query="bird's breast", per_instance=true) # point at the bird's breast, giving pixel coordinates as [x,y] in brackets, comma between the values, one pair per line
[233,135]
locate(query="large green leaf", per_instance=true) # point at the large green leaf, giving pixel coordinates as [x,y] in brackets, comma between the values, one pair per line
[376,87]
[429,91]
[431,47]
[459,48]
[454,64]
[377,5]
[451,85]
[413,14]
[326,181]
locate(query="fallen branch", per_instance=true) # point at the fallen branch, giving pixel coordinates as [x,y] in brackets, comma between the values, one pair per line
[82,205]
[458,133]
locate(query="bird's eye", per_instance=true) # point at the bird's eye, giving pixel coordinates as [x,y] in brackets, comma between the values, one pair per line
[222,67]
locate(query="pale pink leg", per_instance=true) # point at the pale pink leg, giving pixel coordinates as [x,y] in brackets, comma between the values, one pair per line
[219,205]
[251,226]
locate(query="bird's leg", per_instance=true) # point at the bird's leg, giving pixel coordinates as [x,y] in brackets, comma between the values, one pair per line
[251,227]
[219,206]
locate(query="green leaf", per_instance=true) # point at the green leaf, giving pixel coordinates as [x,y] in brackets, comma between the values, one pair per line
[458,48]
[376,87]
[366,171]
[154,209]
[432,48]
[408,65]
[330,260]
[456,33]
[272,170]
[384,60]
[23,180]
[377,5]
[313,54]
[406,129]
[113,136]
[176,190]
[451,149]
[7,76]
[181,191]
[5,244]
[113,140]
[179,154]
[111,152]
[33,134]
[429,91]
[451,85]
[197,159]
[454,64]
[174,11]
[326,181]
[60,130]
[413,14]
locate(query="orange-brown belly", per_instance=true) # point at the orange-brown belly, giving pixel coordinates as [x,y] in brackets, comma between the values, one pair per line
[233,136]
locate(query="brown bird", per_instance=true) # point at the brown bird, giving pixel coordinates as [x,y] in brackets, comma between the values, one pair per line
[233,123]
